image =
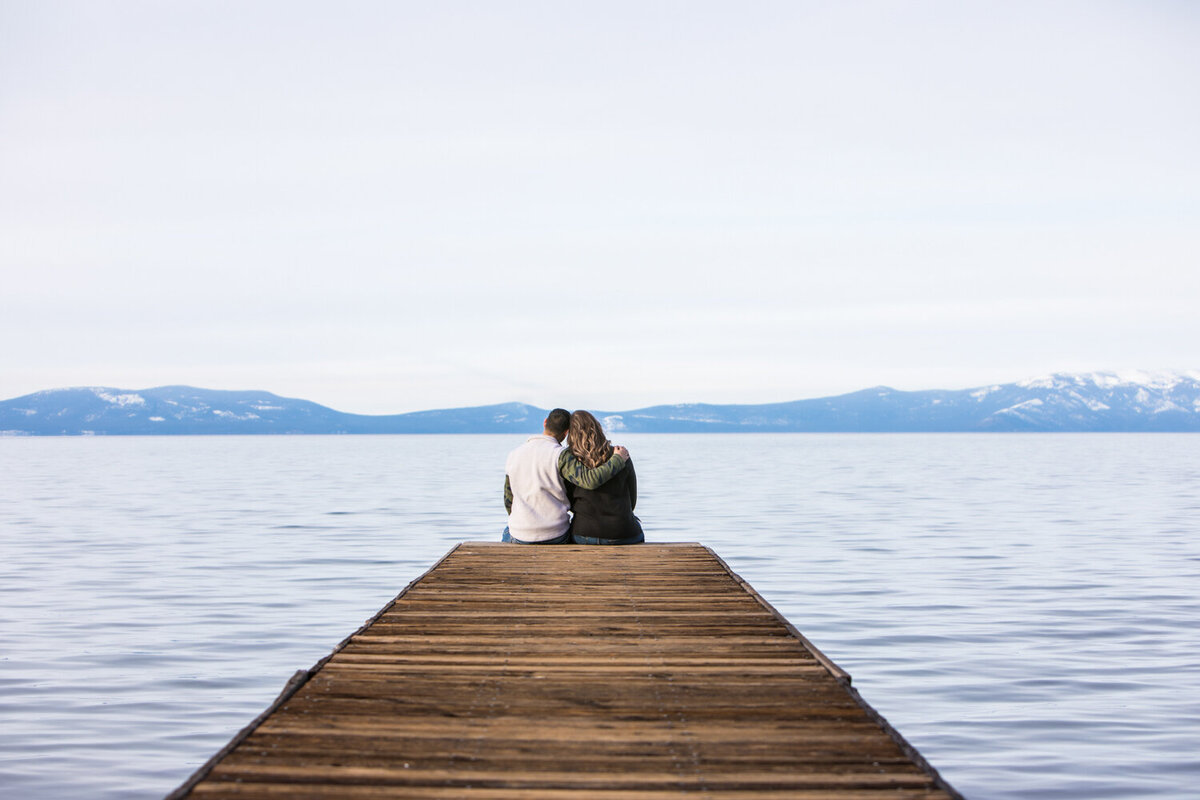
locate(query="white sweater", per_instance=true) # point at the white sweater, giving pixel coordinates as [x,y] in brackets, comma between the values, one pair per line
[539,505]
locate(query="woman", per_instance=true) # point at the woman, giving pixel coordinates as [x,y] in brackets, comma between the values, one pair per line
[603,515]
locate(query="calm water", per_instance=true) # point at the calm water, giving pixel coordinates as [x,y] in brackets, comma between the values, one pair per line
[1022,608]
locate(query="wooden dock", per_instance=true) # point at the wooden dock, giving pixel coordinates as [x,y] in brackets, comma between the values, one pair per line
[614,673]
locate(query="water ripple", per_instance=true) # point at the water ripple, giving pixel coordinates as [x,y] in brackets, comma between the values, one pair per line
[1022,608]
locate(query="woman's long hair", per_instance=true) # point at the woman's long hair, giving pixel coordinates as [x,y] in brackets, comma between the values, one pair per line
[587,441]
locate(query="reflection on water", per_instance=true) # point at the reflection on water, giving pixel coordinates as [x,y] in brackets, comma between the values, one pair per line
[1021,608]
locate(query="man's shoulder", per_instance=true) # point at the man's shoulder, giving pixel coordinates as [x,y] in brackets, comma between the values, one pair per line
[539,442]
[534,446]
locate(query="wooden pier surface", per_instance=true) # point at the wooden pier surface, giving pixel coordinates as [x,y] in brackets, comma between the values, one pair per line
[611,673]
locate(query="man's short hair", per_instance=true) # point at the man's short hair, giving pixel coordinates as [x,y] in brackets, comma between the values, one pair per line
[557,421]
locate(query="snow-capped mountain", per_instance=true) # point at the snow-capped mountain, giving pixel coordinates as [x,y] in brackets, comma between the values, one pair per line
[1100,401]
[1109,401]
[188,410]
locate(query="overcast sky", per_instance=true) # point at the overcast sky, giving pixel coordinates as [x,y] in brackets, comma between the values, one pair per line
[386,207]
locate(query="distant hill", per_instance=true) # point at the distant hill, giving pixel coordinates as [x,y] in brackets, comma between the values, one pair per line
[188,410]
[1061,402]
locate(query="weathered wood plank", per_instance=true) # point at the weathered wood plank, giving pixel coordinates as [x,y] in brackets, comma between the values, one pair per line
[635,673]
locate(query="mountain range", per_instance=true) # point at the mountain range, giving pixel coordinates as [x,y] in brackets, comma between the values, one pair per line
[1098,401]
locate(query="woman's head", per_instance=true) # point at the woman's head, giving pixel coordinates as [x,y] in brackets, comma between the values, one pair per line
[587,441]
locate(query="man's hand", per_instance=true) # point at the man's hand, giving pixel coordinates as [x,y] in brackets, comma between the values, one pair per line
[621,451]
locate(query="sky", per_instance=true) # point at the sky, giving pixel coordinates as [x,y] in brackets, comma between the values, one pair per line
[393,206]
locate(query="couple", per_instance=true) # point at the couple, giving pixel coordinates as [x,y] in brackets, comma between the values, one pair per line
[543,481]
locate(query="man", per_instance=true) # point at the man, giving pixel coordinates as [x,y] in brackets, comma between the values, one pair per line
[535,495]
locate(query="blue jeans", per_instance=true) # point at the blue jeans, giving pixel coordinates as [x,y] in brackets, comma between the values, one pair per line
[641,537]
[508,537]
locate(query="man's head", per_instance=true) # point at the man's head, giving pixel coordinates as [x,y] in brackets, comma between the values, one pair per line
[557,422]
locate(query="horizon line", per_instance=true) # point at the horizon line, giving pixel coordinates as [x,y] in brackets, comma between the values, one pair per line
[1121,376]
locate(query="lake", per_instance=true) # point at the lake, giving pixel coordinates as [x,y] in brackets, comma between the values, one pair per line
[1022,608]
